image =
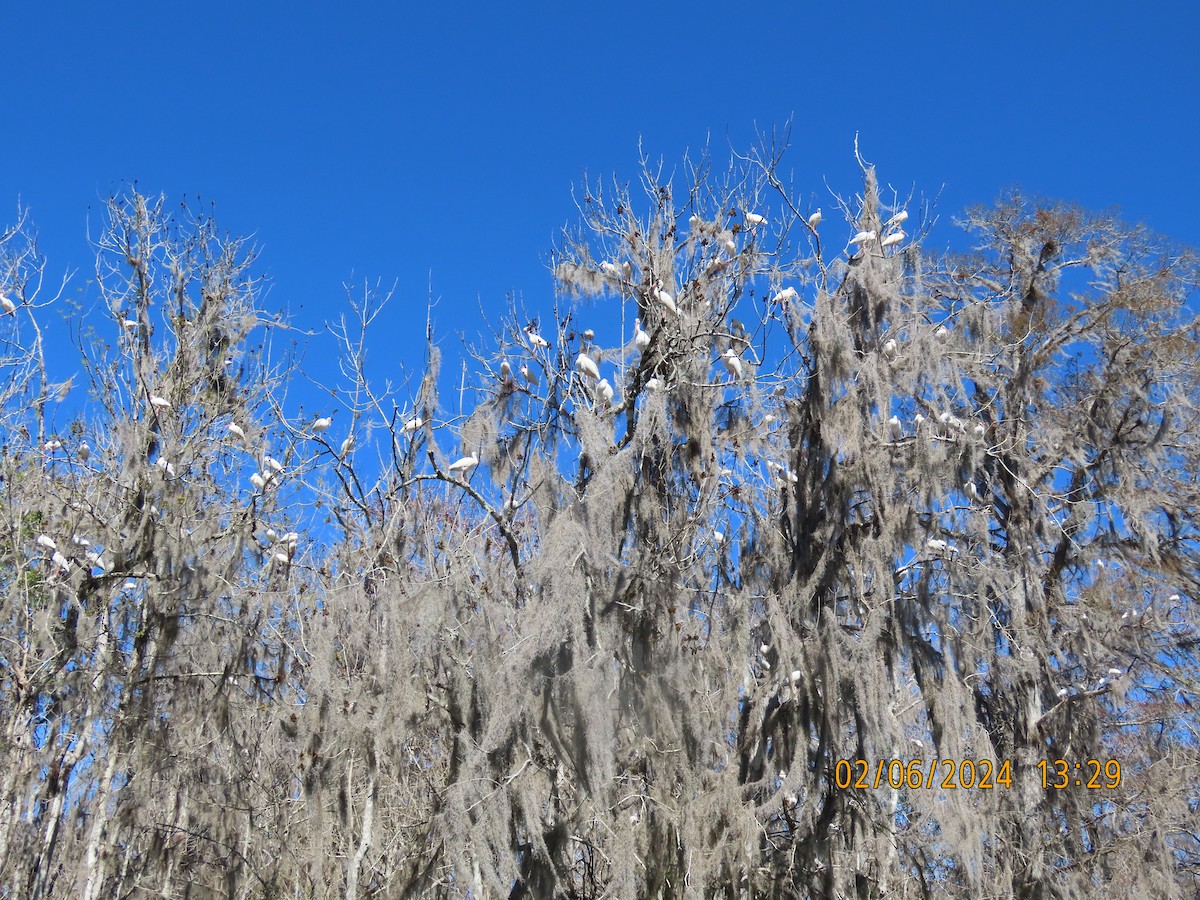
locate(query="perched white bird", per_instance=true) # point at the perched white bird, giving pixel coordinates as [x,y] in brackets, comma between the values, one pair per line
[464,465]
[612,270]
[159,402]
[890,347]
[919,420]
[863,237]
[272,463]
[1062,692]
[589,335]
[731,246]
[322,424]
[44,540]
[282,557]
[719,537]
[768,419]
[814,220]
[129,324]
[788,294]
[732,363]
[641,340]
[892,239]
[754,219]
[980,430]
[941,332]
[166,466]
[505,369]
[413,424]
[347,446]
[972,490]
[236,430]
[1114,671]
[52,446]
[936,545]
[899,217]
[587,366]
[604,391]
[84,451]
[260,483]
[61,561]
[9,306]
[536,341]
[653,384]
[272,535]
[666,300]
[895,428]
[530,375]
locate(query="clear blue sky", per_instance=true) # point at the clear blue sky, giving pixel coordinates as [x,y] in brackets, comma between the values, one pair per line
[437,144]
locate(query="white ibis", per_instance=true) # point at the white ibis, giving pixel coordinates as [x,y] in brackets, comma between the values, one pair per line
[129,324]
[587,366]
[941,332]
[44,540]
[61,561]
[788,294]
[936,545]
[666,300]
[530,375]
[166,466]
[412,425]
[159,402]
[612,270]
[1062,692]
[84,451]
[890,347]
[862,237]
[893,239]
[281,557]
[347,446]
[9,306]
[322,424]
[589,335]
[464,465]
[895,428]
[641,340]
[814,220]
[972,490]
[754,219]
[272,535]
[52,446]
[653,384]
[731,246]
[604,391]
[899,217]
[260,483]
[536,341]
[272,463]
[732,363]
[768,419]
[505,369]
[236,430]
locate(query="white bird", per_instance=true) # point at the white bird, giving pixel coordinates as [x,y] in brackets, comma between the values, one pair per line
[814,220]
[412,425]
[754,219]
[732,363]
[44,540]
[530,375]
[347,446]
[892,239]
[9,306]
[936,545]
[129,324]
[972,490]
[1062,692]
[889,347]
[464,465]
[272,535]
[612,270]
[604,391]
[322,424]
[536,341]
[84,451]
[258,481]
[786,295]
[1114,671]
[641,340]
[61,561]
[768,419]
[863,237]
[159,402]
[941,332]
[919,420]
[719,537]
[52,446]
[653,384]
[236,430]
[731,246]
[505,369]
[895,428]
[587,366]
[272,463]
[666,300]
[899,217]
[166,466]
[979,430]
[282,557]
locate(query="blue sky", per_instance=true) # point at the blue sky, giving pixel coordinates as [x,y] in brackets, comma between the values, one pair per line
[436,145]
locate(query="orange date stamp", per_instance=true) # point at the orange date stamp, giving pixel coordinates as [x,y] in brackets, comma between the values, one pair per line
[968,774]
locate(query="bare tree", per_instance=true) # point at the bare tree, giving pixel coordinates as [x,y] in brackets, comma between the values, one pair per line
[847,569]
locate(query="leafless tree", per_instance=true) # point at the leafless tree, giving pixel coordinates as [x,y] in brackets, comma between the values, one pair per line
[845,570]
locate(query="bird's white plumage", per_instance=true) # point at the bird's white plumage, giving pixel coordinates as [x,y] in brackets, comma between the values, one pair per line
[587,366]
[892,239]
[754,219]
[347,446]
[159,402]
[7,304]
[899,217]
[890,347]
[863,237]
[412,425]
[666,300]
[84,451]
[258,481]
[641,339]
[236,431]
[44,540]
[321,424]
[787,295]
[814,220]
[536,341]
[732,363]
[464,464]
